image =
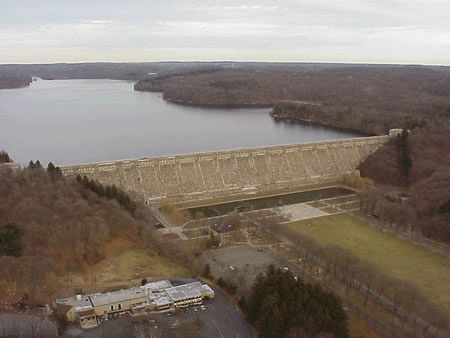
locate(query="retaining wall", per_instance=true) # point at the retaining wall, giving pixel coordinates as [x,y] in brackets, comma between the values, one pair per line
[221,173]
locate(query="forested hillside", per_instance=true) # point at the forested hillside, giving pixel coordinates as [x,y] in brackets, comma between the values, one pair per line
[102,70]
[13,79]
[366,98]
[50,224]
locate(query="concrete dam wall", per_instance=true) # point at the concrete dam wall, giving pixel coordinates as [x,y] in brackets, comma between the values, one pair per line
[223,173]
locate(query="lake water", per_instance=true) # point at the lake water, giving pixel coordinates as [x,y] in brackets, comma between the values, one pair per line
[78,121]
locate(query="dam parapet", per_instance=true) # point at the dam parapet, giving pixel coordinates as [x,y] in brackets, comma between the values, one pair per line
[206,175]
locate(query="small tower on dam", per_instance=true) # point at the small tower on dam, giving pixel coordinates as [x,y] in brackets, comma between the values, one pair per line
[395,132]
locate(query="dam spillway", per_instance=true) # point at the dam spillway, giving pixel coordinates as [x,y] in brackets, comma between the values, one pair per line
[206,175]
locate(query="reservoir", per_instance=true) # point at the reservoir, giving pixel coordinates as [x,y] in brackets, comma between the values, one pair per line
[80,121]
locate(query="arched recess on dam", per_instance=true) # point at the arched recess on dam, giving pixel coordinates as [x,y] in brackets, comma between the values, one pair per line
[225,173]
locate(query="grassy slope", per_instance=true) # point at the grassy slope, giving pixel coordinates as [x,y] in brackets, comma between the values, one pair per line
[394,256]
[130,261]
[124,262]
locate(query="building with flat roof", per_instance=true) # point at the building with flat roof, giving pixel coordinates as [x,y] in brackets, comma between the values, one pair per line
[163,295]
[184,295]
[117,301]
[154,296]
[161,303]
[158,286]
[77,308]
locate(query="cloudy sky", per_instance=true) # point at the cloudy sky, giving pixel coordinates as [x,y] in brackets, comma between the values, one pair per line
[378,31]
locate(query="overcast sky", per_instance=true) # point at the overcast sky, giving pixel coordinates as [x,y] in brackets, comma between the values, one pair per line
[378,31]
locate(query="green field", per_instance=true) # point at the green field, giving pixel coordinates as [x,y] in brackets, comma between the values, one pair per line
[396,257]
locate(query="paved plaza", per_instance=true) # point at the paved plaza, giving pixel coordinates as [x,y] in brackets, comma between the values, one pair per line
[301,211]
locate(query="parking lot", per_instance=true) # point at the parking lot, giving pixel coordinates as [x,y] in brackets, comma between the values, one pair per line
[241,262]
[220,318]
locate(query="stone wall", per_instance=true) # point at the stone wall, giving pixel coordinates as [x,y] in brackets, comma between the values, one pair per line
[223,173]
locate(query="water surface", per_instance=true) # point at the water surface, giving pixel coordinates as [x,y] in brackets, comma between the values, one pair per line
[78,121]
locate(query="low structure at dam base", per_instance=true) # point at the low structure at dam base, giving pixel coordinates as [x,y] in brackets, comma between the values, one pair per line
[206,175]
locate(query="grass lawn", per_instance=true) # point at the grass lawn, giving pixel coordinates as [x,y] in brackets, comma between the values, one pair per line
[396,257]
[125,260]
[136,262]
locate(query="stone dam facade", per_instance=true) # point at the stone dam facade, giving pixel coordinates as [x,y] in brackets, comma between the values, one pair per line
[205,175]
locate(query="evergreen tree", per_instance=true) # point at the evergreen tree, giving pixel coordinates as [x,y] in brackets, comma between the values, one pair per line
[4,157]
[110,192]
[404,157]
[279,305]
[207,271]
[10,240]
[54,172]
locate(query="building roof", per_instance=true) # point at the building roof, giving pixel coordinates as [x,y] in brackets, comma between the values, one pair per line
[161,301]
[157,286]
[78,302]
[206,288]
[184,291]
[63,308]
[116,296]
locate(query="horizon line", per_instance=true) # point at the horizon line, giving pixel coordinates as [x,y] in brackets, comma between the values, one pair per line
[232,61]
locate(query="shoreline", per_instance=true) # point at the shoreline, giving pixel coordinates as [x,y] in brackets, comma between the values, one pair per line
[212,105]
[304,122]
[277,118]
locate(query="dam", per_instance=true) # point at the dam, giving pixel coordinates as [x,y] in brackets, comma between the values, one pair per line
[200,176]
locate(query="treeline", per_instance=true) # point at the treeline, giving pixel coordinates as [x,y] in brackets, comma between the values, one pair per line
[104,70]
[280,306]
[108,191]
[389,206]
[52,225]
